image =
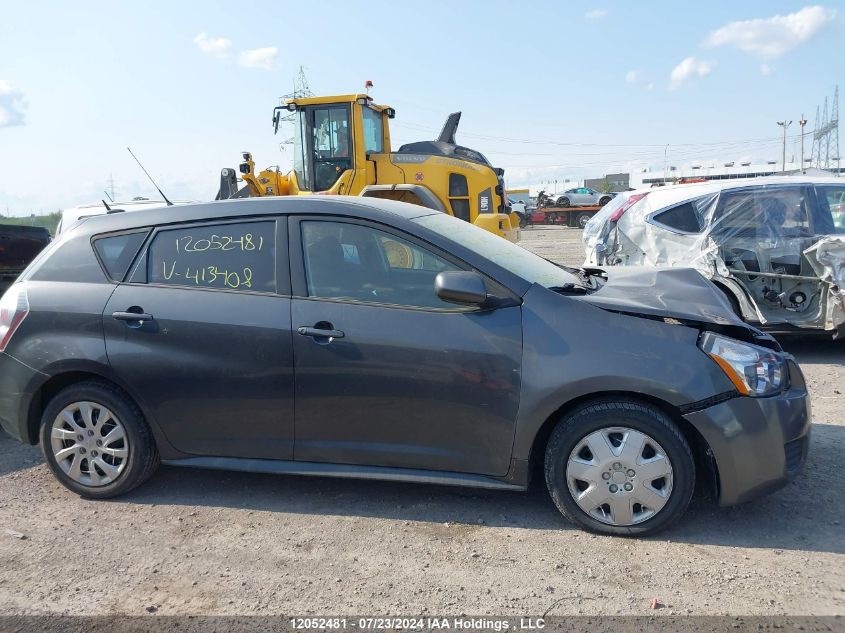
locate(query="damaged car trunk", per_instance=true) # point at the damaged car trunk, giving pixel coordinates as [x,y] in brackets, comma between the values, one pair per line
[774,246]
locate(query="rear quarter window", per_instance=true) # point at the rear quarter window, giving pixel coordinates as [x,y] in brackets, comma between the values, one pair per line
[116,252]
[685,218]
[73,261]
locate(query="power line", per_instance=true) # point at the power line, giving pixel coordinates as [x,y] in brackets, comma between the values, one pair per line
[661,146]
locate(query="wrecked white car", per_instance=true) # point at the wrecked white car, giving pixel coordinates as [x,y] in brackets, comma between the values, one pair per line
[775,246]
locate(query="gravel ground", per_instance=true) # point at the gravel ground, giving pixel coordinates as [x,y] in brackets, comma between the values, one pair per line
[204,542]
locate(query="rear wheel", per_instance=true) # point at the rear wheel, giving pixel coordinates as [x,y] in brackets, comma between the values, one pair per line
[563,202]
[582,219]
[96,442]
[604,201]
[619,467]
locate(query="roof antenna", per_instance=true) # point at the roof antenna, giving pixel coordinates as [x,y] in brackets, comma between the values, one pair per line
[108,196]
[106,205]
[169,204]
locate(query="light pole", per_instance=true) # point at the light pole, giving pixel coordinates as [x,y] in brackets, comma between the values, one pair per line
[784,125]
[802,123]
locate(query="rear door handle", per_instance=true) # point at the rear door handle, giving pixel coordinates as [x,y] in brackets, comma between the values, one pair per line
[314,332]
[132,316]
[132,319]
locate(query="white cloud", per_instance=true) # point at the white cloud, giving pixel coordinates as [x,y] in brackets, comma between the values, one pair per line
[12,105]
[259,58]
[688,68]
[765,70]
[772,37]
[596,14]
[217,46]
[632,75]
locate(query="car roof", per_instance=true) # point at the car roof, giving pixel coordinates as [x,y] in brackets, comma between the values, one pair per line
[732,183]
[670,194]
[371,208]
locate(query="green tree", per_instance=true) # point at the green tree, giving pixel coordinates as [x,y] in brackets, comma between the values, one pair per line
[606,187]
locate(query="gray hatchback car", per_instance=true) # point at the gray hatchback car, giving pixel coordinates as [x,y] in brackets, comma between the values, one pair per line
[373,339]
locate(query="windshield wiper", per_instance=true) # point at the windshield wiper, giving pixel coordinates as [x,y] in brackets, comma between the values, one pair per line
[570,288]
[582,275]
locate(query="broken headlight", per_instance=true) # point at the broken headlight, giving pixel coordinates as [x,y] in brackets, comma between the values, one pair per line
[754,371]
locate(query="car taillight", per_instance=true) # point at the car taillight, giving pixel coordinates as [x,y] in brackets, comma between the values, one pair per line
[14,306]
[630,202]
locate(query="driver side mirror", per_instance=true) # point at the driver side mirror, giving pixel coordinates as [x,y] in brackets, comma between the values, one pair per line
[462,287]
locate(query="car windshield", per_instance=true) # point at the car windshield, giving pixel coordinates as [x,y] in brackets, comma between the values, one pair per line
[501,252]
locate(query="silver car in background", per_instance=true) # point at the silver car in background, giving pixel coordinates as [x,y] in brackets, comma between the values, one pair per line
[774,246]
[583,197]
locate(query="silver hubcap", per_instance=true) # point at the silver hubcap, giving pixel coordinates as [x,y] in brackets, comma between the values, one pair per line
[619,476]
[89,444]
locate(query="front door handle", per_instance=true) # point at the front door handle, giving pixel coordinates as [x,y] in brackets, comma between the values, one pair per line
[320,333]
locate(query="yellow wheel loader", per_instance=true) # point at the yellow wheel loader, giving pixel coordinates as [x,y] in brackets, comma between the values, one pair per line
[341,146]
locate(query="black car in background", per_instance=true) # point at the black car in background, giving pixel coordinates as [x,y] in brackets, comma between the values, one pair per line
[19,245]
[380,340]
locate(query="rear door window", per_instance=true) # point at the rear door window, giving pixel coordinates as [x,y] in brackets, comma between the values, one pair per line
[239,256]
[769,213]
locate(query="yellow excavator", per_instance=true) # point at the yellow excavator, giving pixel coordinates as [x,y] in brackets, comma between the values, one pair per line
[341,146]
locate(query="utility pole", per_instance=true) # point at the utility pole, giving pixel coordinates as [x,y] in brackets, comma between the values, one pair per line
[665,163]
[784,124]
[802,123]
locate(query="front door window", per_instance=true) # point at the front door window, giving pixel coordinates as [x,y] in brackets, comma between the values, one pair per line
[350,261]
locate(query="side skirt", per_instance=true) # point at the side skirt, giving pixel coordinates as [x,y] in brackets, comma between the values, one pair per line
[345,471]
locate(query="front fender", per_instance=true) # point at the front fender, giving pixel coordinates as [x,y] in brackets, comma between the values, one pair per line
[573,350]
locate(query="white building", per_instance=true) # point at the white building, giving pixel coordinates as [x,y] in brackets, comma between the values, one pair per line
[710,170]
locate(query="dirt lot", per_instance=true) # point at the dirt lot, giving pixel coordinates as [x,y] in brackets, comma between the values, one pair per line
[228,543]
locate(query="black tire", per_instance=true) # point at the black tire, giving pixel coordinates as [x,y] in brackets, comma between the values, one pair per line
[599,414]
[582,219]
[142,459]
[563,202]
[604,201]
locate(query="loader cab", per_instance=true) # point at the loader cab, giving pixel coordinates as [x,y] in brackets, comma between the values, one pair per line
[333,136]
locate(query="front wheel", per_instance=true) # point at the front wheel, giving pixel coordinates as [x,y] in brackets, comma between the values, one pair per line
[619,467]
[96,441]
[563,202]
[604,201]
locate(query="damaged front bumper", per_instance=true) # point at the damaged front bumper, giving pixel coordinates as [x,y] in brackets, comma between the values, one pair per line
[758,444]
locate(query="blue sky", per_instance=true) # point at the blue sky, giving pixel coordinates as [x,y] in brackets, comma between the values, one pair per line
[547,89]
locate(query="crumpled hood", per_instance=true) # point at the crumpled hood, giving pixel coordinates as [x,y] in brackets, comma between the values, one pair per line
[681,293]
